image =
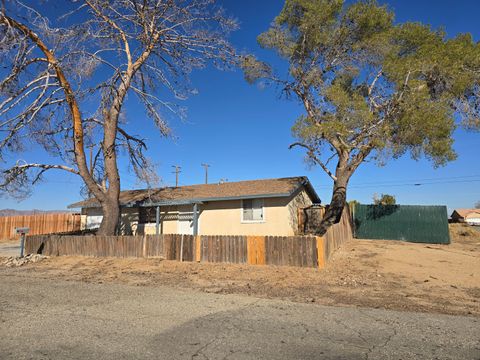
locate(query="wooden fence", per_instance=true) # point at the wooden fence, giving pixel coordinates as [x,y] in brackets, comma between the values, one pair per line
[302,251]
[39,224]
[336,236]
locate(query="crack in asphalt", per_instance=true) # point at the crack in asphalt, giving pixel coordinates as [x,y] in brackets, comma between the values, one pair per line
[226,323]
[389,337]
[204,347]
[374,346]
[196,326]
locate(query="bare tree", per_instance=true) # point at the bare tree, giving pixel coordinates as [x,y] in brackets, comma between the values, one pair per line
[65,80]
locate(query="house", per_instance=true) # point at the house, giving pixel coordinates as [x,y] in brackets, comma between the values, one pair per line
[469,216]
[255,207]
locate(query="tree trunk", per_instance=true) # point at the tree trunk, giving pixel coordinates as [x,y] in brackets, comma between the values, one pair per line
[334,211]
[111,216]
[346,166]
[111,207]
[337,204]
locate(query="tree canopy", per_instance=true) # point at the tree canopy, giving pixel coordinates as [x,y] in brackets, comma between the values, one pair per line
[371,88]
[384,199]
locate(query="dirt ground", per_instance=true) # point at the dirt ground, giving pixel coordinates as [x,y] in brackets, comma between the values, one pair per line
[366,273]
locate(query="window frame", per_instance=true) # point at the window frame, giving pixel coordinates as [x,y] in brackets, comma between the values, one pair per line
[243,221]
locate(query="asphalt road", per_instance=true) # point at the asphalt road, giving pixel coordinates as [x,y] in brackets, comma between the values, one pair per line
[10,248]
[53,319]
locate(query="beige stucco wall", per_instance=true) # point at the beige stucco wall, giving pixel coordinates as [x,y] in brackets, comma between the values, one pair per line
[128,223]
[225,217]
[280,218]
[166,227]
[300,201]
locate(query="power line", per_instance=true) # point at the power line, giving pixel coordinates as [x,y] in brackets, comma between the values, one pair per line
[408,184]
[419,179]
[416,183]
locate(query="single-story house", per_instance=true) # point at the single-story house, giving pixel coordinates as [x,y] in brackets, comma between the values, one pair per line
[255,207]
[469,216]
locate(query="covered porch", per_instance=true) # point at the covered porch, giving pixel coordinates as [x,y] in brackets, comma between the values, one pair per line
[181,217]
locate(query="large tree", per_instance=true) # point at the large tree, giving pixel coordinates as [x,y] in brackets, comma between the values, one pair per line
[371,88]
[65,79]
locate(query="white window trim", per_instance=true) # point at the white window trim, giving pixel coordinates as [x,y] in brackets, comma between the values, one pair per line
[264,219]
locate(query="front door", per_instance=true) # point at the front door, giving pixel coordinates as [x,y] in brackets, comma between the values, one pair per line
[185,223]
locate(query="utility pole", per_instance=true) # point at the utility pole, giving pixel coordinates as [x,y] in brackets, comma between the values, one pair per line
[206,166]
[177,171]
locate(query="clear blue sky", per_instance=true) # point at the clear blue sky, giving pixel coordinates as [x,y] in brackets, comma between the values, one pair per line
[243,131]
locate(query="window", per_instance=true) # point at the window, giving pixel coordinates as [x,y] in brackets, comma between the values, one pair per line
[252,210]
[147,215]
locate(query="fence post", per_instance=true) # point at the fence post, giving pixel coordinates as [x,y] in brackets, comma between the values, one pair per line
[157,220]
[181,248]
[22,231]
[198,248]
[320,252]
[144,239]
[22,244]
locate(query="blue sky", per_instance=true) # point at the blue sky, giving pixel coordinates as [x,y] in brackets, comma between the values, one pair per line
[243,131]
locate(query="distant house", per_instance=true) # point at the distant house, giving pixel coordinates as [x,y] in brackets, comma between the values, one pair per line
[469,216]
[255,207]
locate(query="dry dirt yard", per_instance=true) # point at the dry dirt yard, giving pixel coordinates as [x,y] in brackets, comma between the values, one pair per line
[365,273]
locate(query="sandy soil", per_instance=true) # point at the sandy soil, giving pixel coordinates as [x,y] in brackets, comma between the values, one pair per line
[366,273]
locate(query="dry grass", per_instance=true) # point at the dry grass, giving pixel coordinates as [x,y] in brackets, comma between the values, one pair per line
[464,234]
[369,273]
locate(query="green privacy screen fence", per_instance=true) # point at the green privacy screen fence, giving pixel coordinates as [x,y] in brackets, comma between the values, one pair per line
[422,224]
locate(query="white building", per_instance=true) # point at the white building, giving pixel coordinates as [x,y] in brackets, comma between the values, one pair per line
[469,216]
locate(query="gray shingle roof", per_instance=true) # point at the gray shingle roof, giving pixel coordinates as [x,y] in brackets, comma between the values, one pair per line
[280,187]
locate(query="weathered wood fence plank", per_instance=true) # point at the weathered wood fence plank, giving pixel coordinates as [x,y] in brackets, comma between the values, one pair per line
[39,224]
[301,251]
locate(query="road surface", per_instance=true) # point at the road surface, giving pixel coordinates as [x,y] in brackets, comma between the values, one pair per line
[57,319]
[10,248]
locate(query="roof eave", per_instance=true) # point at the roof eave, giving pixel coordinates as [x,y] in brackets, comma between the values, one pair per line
[308,185]
[302,183]
[222,198]
[189,201]
[77,205]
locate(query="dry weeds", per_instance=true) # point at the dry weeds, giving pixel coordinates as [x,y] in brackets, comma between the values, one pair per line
[367,273]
